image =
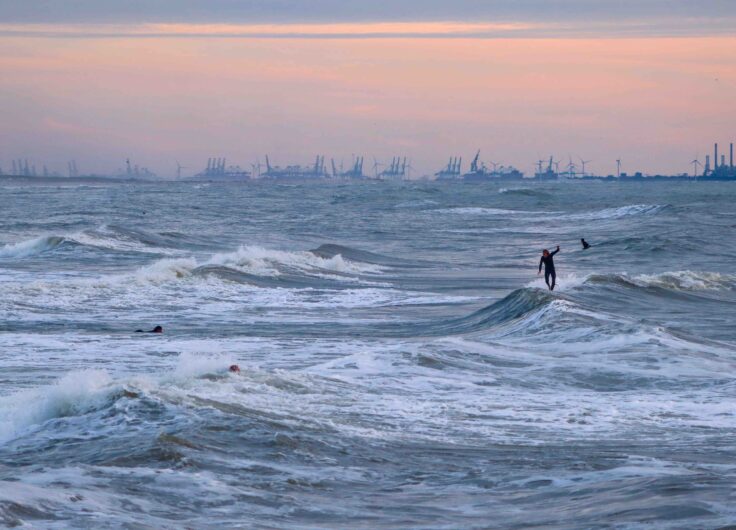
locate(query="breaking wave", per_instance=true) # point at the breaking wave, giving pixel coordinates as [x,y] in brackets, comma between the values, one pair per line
[517,305]
[618,213]
[527,192]
[31,247]
[74,394]
[477,210]
[86,391]
[252,262]
[109,238]
[329,251]
[671,280]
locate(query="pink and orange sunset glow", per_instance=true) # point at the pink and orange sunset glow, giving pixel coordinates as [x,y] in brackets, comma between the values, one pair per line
[519,91]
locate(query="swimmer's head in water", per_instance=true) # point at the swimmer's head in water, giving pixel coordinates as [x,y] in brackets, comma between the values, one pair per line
[157,329]
[234,368]
[545,253]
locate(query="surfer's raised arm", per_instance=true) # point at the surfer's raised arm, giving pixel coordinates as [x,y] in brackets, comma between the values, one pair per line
[556,251]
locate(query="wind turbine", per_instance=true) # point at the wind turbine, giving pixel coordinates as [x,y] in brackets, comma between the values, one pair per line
[695,164]
[583,162]
[179,167]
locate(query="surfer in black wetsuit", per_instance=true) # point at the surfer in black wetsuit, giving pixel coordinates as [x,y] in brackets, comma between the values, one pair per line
[549,267]
[586,245]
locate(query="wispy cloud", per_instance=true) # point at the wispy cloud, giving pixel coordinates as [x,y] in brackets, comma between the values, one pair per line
[334,30]
[354,30]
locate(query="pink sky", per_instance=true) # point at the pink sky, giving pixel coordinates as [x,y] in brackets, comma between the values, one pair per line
[653,102]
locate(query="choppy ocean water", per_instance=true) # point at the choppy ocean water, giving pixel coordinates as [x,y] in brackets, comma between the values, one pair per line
[402,364]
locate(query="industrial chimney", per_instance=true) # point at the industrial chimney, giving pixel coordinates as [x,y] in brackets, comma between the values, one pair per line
[715,158]
[731,156]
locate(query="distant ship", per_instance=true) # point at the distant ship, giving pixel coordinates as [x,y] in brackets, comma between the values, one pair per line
[479,171]
[316,171]
[355,172]
[217,170]
[548,173]
[451,171]
[396,171]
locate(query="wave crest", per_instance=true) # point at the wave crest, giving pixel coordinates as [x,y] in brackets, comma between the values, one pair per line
[110,238]
[478,210]
[31,247]
[268,262]
[618,213]
[73,394]
[249,263]
[672,280]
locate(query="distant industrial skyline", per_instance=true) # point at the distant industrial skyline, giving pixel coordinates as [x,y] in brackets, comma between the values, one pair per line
[648,83]
[475,168]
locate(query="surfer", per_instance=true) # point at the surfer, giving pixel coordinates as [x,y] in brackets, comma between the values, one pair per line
[586,245]
[234,368]
[157,329]
[549,267]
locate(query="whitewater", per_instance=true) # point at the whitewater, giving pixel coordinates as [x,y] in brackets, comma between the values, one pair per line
[402,363]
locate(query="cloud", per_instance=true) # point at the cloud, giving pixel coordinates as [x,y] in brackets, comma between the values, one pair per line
[662,26]
[340,11]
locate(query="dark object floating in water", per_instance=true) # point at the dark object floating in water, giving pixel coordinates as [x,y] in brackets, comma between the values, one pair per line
[157,329]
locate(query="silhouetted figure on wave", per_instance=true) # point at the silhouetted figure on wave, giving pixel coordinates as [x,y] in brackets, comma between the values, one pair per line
[549,267]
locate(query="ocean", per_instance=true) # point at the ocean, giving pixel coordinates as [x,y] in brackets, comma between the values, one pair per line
[402,363]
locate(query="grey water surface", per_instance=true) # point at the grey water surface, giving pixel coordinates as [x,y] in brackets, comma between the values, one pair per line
[402,364]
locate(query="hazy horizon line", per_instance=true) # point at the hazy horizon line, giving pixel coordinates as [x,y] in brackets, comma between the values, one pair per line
[701,27]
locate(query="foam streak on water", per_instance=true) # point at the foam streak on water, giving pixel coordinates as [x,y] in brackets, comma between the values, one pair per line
[402,363]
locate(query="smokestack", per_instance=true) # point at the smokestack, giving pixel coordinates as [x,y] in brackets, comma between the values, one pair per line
[731,165]
[707,164]
[715,158]
[723,160]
